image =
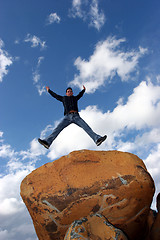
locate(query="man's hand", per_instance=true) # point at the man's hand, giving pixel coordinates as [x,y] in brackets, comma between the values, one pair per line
[84,87]
[47,88]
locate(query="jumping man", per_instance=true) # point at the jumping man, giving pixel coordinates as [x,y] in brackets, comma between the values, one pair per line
[71,115]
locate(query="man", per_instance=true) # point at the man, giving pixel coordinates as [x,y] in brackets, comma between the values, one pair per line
[71,115]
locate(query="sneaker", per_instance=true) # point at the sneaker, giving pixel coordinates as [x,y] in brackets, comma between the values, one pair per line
[44,143]
[100,140]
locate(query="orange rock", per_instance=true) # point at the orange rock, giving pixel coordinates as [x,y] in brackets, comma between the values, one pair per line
[158,202]
[114,184]
[94,227]
[155,230]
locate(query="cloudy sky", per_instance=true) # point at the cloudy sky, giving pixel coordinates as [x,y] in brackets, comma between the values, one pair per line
[111,47]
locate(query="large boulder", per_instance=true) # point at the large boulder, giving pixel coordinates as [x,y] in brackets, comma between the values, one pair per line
[111,183]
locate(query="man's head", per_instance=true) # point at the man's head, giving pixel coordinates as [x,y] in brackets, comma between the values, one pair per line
[69,92]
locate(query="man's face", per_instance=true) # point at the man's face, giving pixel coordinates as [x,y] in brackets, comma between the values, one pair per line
[69,92]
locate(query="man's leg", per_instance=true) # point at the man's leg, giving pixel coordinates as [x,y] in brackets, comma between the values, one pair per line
[81,123]
[64,123]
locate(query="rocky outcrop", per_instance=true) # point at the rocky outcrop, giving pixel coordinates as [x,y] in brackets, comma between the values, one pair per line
[155,227]
[113,184]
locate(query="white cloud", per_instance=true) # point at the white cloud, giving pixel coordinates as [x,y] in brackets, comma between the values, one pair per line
[41,89]
[97,18]
[37,77]
[76,10]
[153,165]
[16,170]
[17,226]
[53,18]
[48,129]
[153,162]
[3,234]
[33,153]
[106,61]
[5,61]
[141,142]
[6,151]
[88,11]
[35,41]
[1,134]
[10,200]
[141,110]
[10,206]
[13,214]
[40,59]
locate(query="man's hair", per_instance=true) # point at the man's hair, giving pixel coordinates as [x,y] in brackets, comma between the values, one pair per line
[68,88]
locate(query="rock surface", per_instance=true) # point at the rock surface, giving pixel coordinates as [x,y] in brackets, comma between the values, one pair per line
[155,229]
[94,227]
[111,183]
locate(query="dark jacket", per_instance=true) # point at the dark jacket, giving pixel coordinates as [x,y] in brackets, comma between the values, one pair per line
[69,103]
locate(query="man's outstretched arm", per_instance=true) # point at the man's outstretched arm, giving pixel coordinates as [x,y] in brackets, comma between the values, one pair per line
[53,94]
[81,93]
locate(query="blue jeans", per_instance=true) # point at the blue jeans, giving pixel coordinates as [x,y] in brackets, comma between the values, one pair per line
[67,120]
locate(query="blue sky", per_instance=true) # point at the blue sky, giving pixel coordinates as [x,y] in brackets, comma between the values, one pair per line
[111,47]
